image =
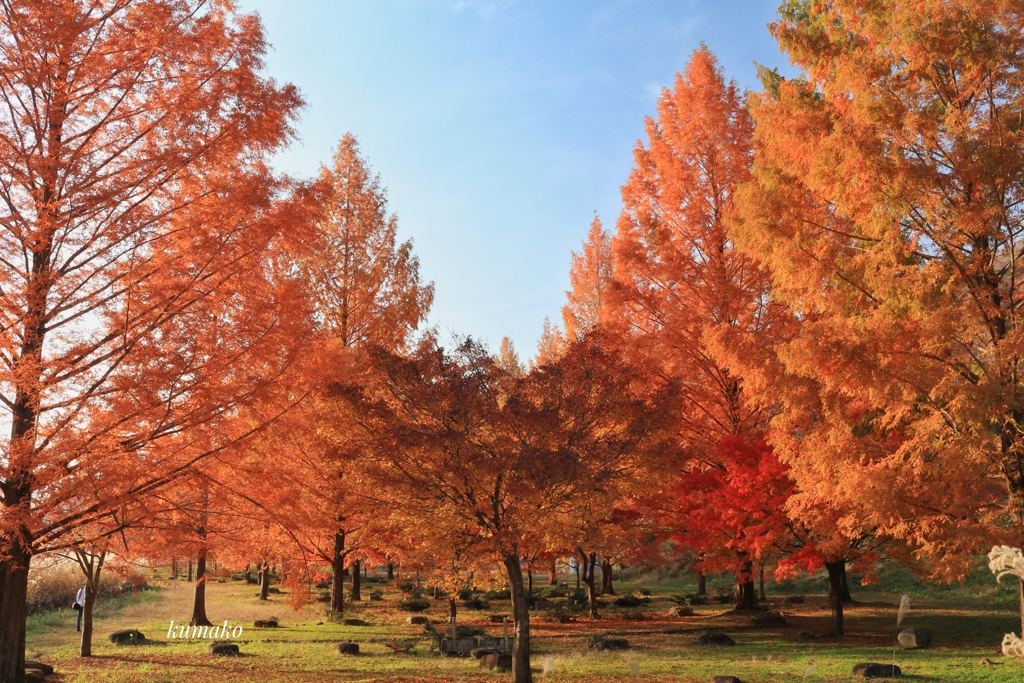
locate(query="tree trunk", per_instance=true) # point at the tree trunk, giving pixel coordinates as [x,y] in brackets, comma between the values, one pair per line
[521,614]
[589,564]
[91,565]
[744,597]
[338,583]
[453,618]
[190,570]
[529,573]
[577,568]
[760,585]
[847,598]
[553,573]
[174,569]
[702,584]
[247,576]
[356,581]
[264,581]
[199,601]
[391,571]
[13,603]
[835,594]
[606,578]
[1020,581]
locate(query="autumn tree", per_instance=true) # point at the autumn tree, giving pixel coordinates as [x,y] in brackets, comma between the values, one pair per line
[682,293]
[138,312]
[365,288]
[590,277]
[885,200]
[484,455]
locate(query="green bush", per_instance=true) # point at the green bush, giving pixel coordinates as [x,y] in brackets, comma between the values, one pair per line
[413,603]
[503,594]
[476,603]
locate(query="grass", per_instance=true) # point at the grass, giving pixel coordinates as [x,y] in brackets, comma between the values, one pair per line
[967,625]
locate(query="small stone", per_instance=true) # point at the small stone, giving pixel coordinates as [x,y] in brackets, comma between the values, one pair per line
[807,635]
[354,622]
[612,644]
[793,600]
[347,648]
[715,639]
[225,649]
[872,670]
[265,623]
[768,619]
[986,661]
[911,639]
[127,636]
[501,662]
[34,676]
[496,618]
[418,619]
[680,611]
[725,679]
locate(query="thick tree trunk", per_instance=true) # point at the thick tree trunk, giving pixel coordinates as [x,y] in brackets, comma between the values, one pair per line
[247,576]
[702,584]
[174,569]
[553,573]
[338,582]
[521,614]
[199,600]
[453,609]
[13,605]
[744,597]
[760,585]
[835,594]
[847,598]
[356,582]
[85,647]
[264,581]
[391,571]
[589,564]
[606,578]
[92,566]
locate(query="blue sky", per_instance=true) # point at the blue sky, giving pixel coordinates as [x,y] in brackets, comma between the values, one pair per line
[499,127]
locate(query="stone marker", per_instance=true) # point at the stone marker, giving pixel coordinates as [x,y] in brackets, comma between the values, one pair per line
[870,670]
[715,639]
[478,652]
[127,636]
[347,648]
[45,668]
[911,639]
[501,662]
[227,649]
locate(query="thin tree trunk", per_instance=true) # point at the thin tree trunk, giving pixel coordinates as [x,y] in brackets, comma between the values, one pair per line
[190,570]
[199,600]
[1020,581]
[760,585]
[338,582]
[521,644]
[453,618]
[847,598]
[835,594]
[553,572]
[702,584]
[248,572]
[529,573]
[577,575]
[264,581]
[92,566]
[606,578]
[589,564]
[391,571]
[174,569]
[356,581]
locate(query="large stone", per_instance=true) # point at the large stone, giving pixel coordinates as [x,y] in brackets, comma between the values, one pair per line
[871,670]
[680,611]
[725,679]
[354,622]
[715,639]
[127,636]
[45,668]
[265,623]
[501,662]
[419,619]
[767,619]
[224,649]
[347,648]
[911,639]
[612,644]
[545,604]
[478,652]
[793,600]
